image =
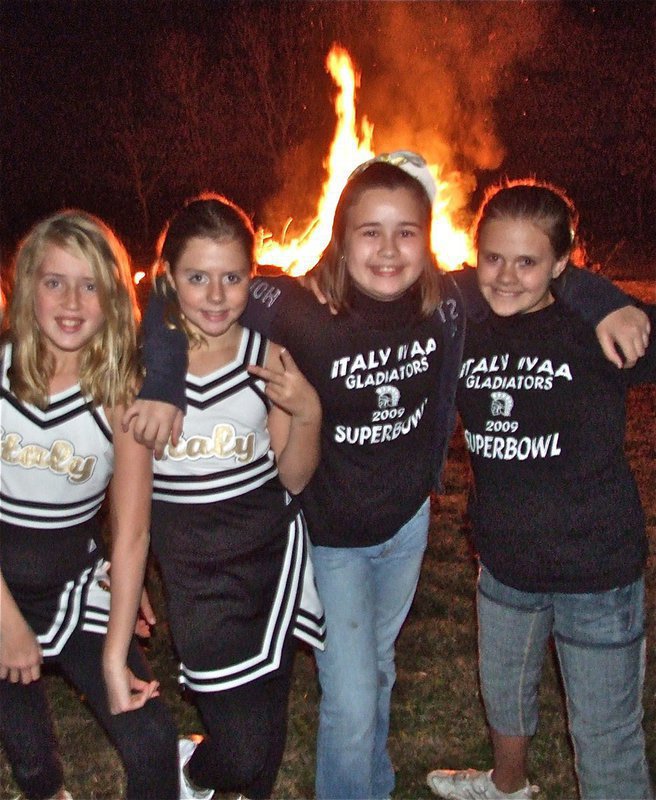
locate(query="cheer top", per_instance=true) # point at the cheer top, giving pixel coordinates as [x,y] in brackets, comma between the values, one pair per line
[56,465]
[554,505]
[56,462]
[224,450]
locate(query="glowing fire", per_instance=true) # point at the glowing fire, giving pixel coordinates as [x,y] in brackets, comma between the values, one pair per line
[350,148]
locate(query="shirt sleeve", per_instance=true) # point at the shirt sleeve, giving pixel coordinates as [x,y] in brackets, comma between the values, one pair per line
[589,294]
[164,355]
[269,300]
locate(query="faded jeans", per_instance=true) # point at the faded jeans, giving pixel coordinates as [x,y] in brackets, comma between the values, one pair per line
[367,593]
[600,642]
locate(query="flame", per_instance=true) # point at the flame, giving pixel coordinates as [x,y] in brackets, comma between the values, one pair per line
[349,148]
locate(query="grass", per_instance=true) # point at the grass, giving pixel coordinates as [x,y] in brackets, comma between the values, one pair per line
[437,717]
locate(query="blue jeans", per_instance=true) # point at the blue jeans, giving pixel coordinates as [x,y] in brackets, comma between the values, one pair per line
[366,593]
[600,642]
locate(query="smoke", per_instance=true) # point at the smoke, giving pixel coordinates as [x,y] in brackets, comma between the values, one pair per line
[430,73]
[436,70]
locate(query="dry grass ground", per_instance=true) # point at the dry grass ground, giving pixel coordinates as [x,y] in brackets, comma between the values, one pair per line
[437,715]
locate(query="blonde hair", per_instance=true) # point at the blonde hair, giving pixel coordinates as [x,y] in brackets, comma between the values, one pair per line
[108,362]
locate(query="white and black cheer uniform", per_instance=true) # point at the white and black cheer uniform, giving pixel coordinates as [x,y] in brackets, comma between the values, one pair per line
[56,464]
[231,542]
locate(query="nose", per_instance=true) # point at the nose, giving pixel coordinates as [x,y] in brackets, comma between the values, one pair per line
[72,297]
[215,291]
[388,246]
[506,273]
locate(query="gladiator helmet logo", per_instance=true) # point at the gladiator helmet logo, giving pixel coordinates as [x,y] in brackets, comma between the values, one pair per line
[501,404]
[388,396]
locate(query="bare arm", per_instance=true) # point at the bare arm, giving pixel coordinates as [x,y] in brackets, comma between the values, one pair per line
[20,652]
[129,496]
[294,421]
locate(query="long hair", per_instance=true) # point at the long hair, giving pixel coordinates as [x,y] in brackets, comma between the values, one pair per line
[108,362]
[539,202]
[332,270]
[207,216]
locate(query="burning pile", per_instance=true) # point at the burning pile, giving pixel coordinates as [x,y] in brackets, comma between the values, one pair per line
[350,148]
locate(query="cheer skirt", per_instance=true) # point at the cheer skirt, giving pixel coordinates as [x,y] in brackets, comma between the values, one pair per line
[238,583]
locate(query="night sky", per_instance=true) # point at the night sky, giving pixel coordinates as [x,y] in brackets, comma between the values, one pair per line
[126,108]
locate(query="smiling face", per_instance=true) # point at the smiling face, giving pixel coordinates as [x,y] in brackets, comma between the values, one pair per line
[386,242]
[211,278]
[66,302]
[516,264]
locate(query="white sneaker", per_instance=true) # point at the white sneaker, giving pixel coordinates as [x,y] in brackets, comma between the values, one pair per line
[186,747]
[472,784]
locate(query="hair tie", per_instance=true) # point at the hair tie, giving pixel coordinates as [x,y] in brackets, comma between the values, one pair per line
[411,163]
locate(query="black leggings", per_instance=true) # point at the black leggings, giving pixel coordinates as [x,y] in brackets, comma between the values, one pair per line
[145,739]
[247,730]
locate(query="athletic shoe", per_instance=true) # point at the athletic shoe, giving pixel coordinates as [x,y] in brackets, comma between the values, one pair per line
[186,747]
[472,784]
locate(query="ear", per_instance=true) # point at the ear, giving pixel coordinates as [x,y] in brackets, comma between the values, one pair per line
[168,275]
[559,266]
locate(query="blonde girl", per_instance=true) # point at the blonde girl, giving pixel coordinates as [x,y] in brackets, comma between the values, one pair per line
[68,369]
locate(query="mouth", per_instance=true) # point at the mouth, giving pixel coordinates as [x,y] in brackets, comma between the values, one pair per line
[215,316]
[386,272]
[68,325]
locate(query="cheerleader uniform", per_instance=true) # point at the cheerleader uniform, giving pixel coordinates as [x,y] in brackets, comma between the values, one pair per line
[56,465]
[232,546]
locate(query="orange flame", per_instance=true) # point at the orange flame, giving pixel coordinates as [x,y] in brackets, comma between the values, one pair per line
[350,148]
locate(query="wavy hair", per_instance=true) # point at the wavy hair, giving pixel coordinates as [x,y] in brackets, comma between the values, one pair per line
[331,271]
[108,362]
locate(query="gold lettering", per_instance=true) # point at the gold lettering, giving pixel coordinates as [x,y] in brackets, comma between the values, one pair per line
[224,443]
[60,458]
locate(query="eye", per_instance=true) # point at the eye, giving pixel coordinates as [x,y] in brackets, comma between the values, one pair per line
[526,261]
[52,283]
[407,233]
[491,258]
[196,278]
[233,278]
[370,233]
[90,287]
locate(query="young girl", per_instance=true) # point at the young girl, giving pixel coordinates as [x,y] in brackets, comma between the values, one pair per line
[68,367]
[386,367]
[230,541]
[555,510]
